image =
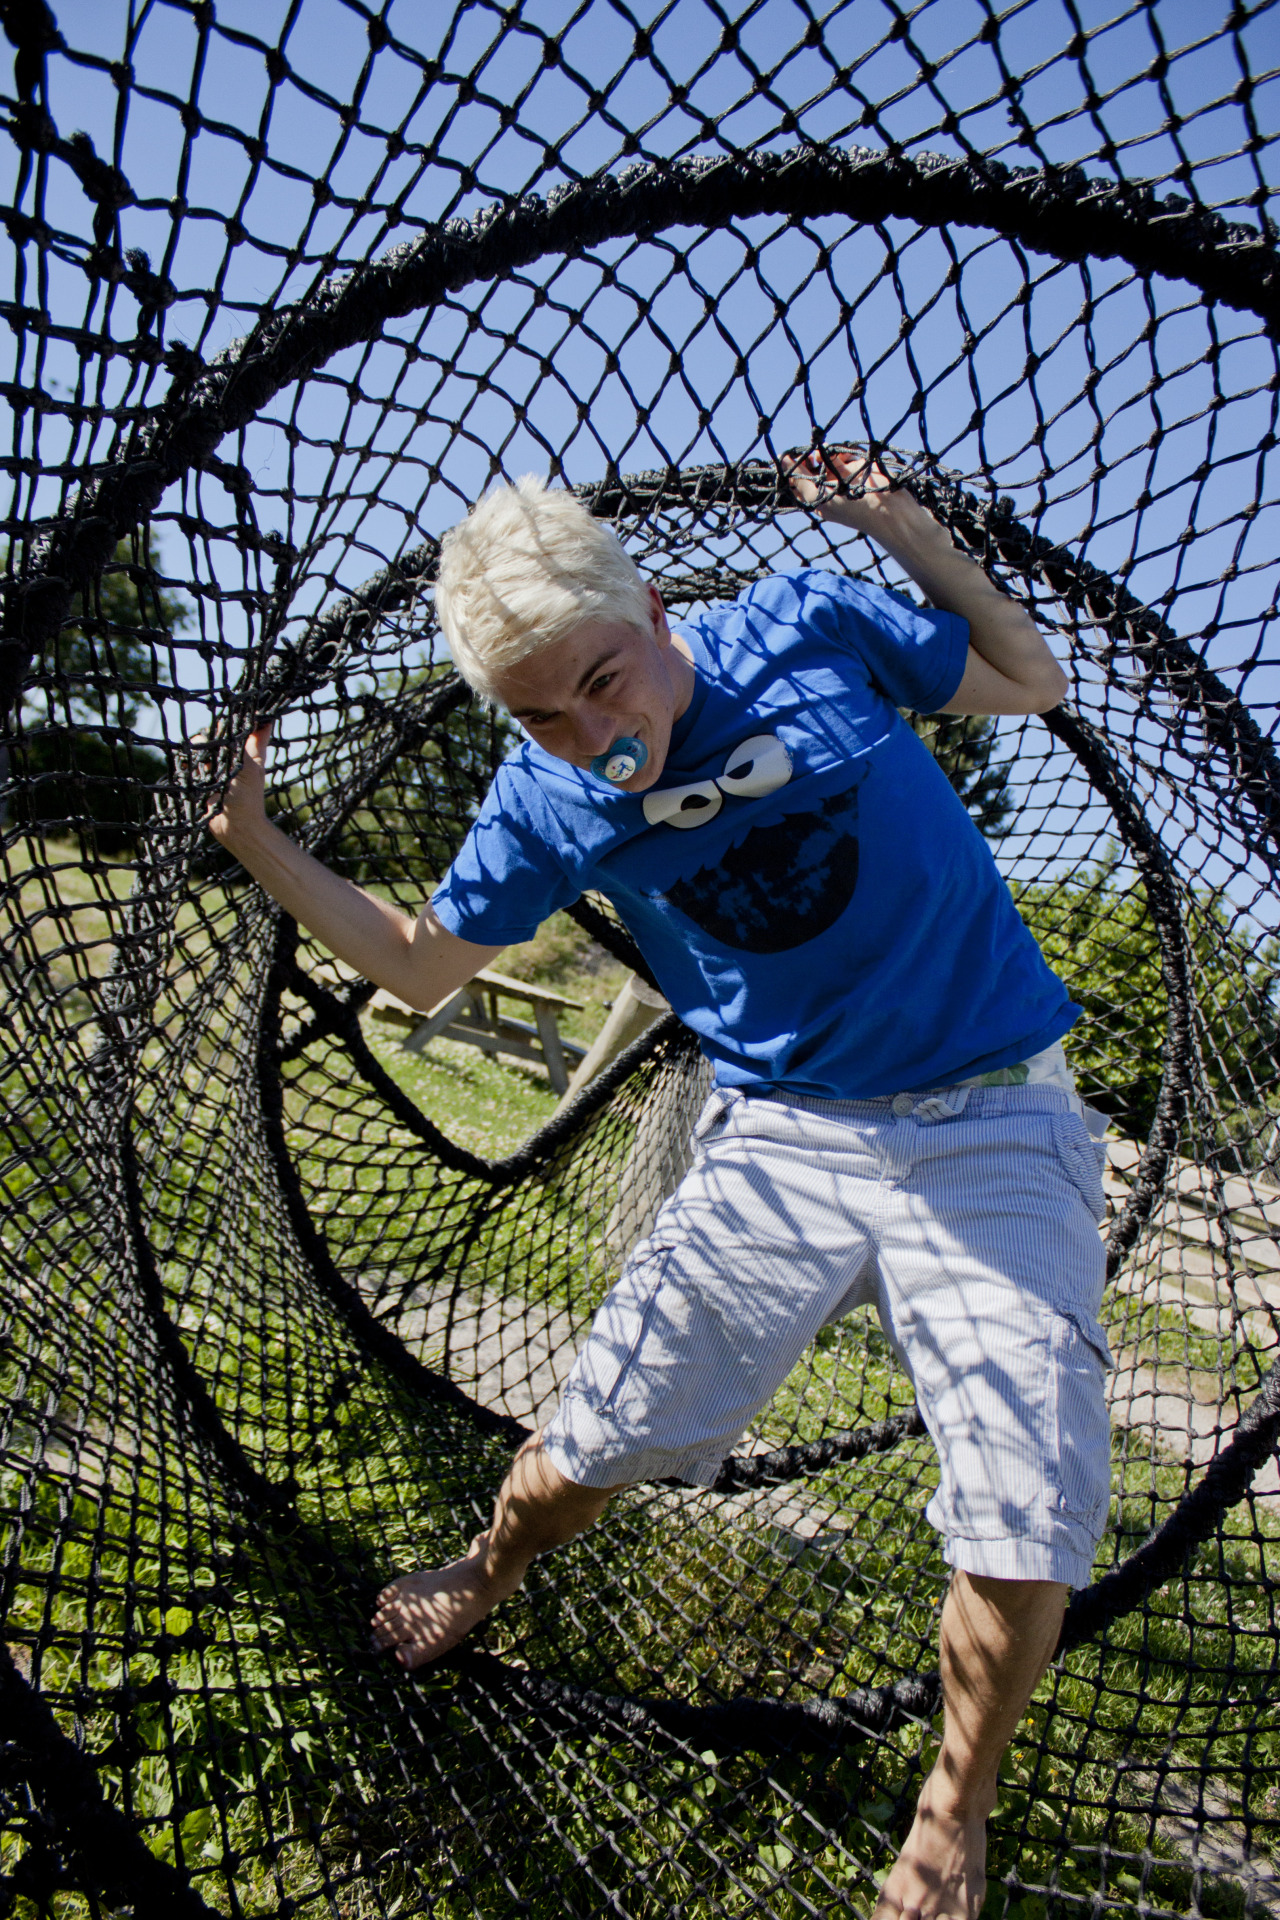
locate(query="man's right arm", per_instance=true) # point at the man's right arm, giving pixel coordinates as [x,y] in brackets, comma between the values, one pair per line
[419,961]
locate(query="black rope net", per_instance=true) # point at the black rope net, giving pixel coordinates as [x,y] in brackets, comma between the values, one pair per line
[287,293]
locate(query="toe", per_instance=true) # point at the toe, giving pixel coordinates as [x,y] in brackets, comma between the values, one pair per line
[387,1629]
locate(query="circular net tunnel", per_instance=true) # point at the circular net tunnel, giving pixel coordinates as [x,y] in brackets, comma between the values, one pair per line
[284,299]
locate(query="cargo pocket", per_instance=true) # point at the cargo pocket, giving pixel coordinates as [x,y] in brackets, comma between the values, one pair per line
[1082,1159]
[617,1334]
[1081,1476]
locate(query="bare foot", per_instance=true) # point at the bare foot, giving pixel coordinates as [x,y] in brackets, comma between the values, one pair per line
[423,1615]
[941,1870]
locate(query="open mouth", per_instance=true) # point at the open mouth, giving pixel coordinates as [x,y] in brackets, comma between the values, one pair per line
[782,885]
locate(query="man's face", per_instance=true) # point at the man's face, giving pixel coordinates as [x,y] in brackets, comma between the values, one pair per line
[605,681]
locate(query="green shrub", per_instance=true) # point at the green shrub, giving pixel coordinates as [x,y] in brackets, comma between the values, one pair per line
[1096,931]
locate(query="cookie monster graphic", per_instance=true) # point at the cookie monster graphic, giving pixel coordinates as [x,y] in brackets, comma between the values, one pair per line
[788,879]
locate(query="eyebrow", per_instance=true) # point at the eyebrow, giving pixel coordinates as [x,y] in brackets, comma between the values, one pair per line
[584,679]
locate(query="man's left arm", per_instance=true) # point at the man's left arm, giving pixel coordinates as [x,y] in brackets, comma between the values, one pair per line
[1010,668]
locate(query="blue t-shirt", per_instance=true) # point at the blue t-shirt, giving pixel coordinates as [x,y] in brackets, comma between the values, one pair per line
[812,896]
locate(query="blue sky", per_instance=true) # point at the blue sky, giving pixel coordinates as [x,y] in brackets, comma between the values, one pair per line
[802,325]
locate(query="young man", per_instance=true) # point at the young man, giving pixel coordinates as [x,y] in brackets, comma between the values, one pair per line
[893,1122]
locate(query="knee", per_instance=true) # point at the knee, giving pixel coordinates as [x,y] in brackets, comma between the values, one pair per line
[1016,1603]
[535,1466]
[1005,1592]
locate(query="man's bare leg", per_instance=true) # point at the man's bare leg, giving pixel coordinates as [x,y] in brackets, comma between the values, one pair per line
[997,1639]
[422,1615]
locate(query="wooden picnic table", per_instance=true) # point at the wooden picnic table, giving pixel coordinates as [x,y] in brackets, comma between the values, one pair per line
[476,1017]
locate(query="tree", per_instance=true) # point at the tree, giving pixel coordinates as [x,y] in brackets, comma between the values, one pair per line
[411,826]
[1096,932]
[80,766]
[962,744]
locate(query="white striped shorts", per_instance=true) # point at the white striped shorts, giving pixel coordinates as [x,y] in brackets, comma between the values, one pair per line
[974,1235]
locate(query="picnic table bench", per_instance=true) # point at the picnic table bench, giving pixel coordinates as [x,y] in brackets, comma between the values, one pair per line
[475,1016]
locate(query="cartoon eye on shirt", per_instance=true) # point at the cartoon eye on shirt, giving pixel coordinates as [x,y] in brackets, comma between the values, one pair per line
[757,767]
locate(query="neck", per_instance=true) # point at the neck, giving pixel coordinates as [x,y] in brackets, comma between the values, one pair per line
[684,675]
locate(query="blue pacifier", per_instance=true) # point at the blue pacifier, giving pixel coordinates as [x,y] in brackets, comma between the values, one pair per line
[625,757]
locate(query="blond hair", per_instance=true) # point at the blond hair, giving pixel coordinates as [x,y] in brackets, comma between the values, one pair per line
[525,568]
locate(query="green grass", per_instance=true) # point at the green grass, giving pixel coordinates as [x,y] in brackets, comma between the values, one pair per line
[488,1106]
[210,1662]
[1161,1694]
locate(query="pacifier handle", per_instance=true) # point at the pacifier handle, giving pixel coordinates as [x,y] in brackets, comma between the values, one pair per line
[617,764]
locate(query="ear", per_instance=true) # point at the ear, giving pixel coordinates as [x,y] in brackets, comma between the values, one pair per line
[658,615]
